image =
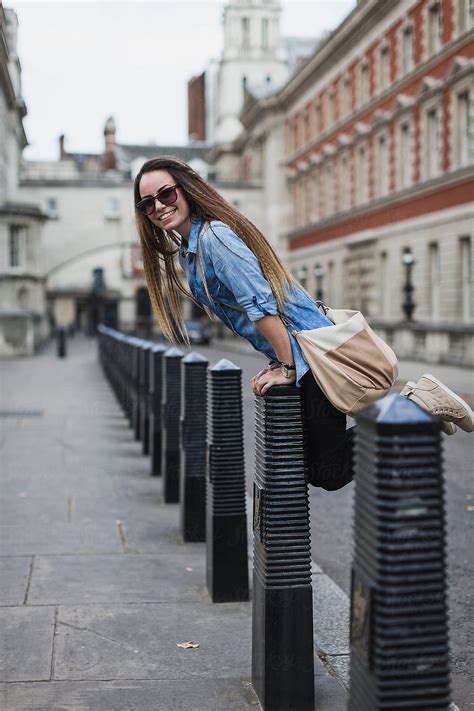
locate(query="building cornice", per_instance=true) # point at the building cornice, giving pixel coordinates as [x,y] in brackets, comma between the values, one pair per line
[448,180]
[346,35]
[395,89]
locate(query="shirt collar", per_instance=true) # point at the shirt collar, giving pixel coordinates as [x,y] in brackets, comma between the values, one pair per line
[193,235]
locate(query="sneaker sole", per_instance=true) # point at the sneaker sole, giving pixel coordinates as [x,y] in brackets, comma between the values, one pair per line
[456,397]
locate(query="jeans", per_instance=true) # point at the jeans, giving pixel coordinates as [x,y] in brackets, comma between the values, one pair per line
[329,446]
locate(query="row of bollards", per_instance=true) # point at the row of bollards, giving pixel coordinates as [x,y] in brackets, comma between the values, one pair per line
[189,418]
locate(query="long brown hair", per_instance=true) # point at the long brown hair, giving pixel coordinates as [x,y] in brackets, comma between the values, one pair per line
[159,247]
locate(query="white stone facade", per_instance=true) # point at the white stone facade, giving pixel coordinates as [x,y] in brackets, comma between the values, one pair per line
[23,323]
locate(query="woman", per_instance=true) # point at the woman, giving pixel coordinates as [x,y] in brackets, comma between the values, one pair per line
[234,272]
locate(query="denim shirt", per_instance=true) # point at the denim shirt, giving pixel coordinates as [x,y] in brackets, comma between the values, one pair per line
[234,276]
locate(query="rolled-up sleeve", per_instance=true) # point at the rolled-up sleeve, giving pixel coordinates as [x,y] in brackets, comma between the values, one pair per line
[237,267]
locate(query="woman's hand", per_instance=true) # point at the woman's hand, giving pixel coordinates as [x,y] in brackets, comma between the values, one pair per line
[267,377]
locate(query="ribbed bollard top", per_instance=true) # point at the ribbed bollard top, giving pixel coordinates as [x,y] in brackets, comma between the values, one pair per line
[226,438]
[282,550]
[194,398]
[399,630]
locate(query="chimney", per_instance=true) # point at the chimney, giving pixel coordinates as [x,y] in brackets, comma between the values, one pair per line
[62,152]
[109,156]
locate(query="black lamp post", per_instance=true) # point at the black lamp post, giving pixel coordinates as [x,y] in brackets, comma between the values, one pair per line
[318,272]
[408,304]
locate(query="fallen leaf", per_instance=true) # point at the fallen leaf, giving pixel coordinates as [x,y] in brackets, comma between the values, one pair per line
[189,569]
[187,645]
[469,496]
[470,508]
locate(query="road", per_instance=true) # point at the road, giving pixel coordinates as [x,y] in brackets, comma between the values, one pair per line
[331,521]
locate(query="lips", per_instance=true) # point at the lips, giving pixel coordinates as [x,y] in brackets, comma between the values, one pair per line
[167,215]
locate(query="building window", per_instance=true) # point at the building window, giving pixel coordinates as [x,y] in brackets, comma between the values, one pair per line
[384,286]
[364,83]
[52,207]
[303,276]
[432,143]
[362,175]
[315,209]
[347,96]
[345,182]
[330,189]
[307,123]
[317,119]
[463,137]
[434,279]
[16,245]
[465,15]
[265,33]
[407,50]
[384,68]
[434,28]
[466,278]
[405,156]
[245,25]
[331,109]
[382,165]
[112,208]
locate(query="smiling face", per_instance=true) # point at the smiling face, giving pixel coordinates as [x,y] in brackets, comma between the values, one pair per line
[168,217]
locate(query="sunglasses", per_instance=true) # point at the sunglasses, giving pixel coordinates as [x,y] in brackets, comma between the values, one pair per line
[167,196]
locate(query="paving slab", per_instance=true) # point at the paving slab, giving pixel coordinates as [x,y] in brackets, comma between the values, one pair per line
[27,643]
[340,663]
[139,641]
[59,538]
[118,579]
[14,574]
[184,695]
[331,632]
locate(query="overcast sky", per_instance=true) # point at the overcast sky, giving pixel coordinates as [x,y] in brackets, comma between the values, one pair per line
[84,61]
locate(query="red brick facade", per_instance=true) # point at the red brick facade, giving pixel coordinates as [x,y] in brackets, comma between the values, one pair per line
[404,104]
[197,108]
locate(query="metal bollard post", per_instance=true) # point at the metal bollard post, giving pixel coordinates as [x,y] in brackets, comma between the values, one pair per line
[171,408]
[399,628]
[136,343]
[61,342]
[282,620]
[144,375]
[155,394]
[226,529]
[193,447]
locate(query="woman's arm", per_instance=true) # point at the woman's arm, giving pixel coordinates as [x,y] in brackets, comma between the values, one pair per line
[273,329]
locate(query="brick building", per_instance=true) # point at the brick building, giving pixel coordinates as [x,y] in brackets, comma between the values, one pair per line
[376,149]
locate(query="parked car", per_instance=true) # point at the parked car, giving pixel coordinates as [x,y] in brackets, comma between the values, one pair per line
[199,332]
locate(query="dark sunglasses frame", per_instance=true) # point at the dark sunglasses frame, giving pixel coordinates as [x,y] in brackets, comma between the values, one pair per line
[147,205]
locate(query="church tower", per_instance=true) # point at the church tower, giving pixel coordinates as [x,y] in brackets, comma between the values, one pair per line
[253,54]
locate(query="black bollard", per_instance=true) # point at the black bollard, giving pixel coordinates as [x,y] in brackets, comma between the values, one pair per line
[399,628]
[282,620]
[226,529]
[155,394]
[61,341]
[193,447]
[144,384]
[171,409]
[136,344]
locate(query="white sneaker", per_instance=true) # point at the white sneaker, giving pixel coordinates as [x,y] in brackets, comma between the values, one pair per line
[437,399]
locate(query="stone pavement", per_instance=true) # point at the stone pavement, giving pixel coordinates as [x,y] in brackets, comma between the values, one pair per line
[97,588]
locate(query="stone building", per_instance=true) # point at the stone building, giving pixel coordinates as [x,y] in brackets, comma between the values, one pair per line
[91,255]
[365,162]
[23,322]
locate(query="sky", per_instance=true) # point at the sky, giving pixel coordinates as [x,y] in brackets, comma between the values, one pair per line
[85,61]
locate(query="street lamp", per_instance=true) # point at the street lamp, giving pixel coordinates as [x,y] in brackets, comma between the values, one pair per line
[408,304]
[318,271]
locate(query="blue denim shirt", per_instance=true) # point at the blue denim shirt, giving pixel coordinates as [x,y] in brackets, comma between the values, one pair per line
[234,276]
